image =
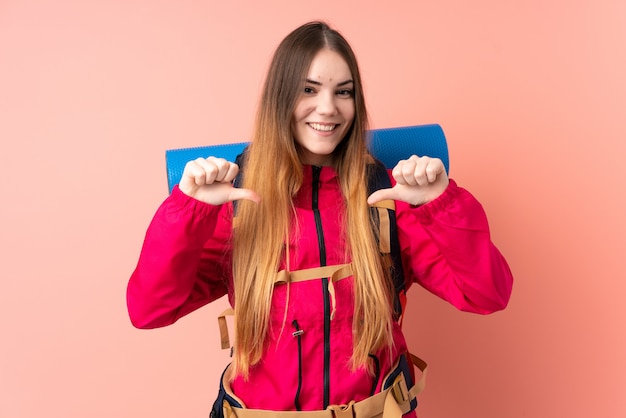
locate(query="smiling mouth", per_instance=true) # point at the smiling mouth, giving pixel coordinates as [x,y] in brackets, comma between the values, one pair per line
[323,127]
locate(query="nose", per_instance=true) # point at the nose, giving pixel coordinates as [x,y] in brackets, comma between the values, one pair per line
[326,104]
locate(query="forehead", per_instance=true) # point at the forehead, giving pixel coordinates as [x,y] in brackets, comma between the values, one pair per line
[328,65]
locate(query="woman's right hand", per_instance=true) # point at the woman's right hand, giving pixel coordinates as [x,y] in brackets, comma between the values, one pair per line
[210,180]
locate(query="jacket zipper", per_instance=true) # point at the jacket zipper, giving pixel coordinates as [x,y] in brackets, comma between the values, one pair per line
[326,296]
[298,334]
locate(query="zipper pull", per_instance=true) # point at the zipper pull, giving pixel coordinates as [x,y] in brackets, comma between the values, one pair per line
[298,332]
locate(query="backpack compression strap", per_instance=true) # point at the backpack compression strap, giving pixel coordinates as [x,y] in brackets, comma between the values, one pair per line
[334,272]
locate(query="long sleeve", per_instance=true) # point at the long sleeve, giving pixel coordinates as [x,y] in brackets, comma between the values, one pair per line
[447,248]
[184,262]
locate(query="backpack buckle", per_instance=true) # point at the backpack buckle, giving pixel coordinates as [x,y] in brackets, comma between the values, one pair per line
[342,411]
[400,390]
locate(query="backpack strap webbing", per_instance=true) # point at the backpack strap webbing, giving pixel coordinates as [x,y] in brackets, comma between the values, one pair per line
[334,272]
[384,216]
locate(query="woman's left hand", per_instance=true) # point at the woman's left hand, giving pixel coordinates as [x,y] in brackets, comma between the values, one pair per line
[419,180]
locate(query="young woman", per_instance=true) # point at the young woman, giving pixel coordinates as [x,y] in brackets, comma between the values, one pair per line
[328,339]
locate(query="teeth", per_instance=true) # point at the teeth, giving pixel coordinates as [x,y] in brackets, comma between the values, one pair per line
[320,127]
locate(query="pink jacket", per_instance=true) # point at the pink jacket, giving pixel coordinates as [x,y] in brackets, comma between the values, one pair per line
[185,263]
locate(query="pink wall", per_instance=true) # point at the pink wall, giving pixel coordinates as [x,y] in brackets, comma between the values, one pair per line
[532,98]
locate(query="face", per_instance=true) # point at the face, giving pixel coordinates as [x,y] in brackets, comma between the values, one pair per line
[325,110]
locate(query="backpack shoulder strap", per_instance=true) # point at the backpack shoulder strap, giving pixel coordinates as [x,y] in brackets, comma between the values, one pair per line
[384,215]
[240,161]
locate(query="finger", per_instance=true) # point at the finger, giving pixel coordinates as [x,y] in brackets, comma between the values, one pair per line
[401,169]
[222,165]
[243,194]
[410,171]
[382,194]
[231,174]
[420,177]
[206,173]
[194,171]
[434,168]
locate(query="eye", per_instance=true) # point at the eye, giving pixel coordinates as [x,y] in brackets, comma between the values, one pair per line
[309,90]
[345,93]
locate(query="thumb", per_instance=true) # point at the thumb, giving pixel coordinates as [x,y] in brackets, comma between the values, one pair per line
[382,194]
[243,194]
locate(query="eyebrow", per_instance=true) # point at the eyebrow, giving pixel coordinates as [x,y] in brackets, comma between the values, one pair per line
[317,83]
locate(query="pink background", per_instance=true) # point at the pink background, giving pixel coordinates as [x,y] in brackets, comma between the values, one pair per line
[532,98]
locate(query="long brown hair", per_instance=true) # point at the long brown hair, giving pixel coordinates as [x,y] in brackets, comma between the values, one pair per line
[274,170]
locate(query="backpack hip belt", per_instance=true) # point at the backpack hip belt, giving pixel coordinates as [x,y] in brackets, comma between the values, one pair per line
[394,401]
